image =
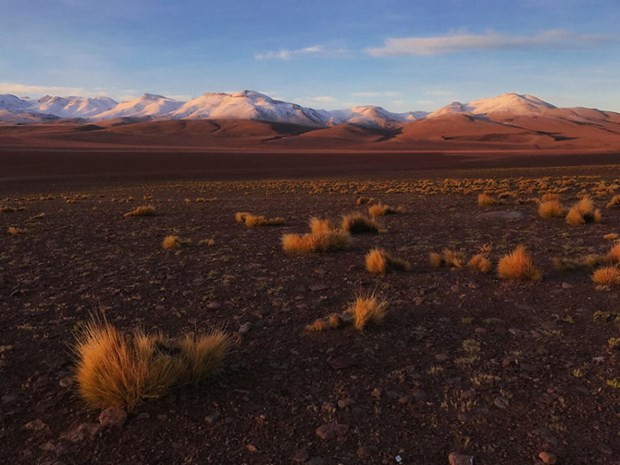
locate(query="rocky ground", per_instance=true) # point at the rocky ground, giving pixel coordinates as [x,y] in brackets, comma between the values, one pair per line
[465,363]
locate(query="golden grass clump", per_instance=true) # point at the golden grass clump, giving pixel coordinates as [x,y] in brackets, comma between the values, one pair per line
[610,237]
[480,262]
[448,257]
[123,369]
[322,238]
[518,266]
[356,223]
[485,200]
[551,209]
[381,209]
[252,221]
[583,212]
[362,200]
[435,259]
[549,196]
[606,276]
[171,242]
[380,262]
[240,216]
[332,321]
[614,202]
[13,231]
[143,210]
[367,309]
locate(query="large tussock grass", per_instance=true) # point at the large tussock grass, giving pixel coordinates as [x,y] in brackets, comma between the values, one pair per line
[123,369]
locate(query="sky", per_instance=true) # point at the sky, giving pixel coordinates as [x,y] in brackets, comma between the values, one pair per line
[400,54]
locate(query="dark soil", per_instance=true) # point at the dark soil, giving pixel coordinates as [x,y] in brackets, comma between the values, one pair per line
[406,388]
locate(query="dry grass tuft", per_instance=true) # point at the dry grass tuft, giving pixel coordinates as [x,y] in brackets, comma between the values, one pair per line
[380,262]
[548,197]
[551,209]
[13,231]
[583,212]
[322,238]
[118,369]
[381,209]
[143,210]
[252,221]
[361,200]
[485,200]
[610,237]
[606,276]
[480,262]
[614,202]
[518,266]
[367,309]
[171,242]
[435,259]
[356,223]
[332,321]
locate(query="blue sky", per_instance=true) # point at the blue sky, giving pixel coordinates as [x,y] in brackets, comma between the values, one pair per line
[404,55]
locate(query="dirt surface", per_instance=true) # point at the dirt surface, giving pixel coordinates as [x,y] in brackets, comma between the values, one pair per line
[539,381]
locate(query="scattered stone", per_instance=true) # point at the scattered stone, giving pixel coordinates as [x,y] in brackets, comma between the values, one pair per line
[332,430]
[245,328]
[344,403]
[66,382]
[113,416]
[82,432]
[300,456]
[548,458]
[567,286]
[376,393]
[442,357]
[342,362]
[35,425]
[366,452]
[328,407]
[460,459]
[500,402]
[251,448]
[213,305]
[213,417]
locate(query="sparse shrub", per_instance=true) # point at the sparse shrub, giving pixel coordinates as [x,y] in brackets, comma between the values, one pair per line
[356,223]
[122,369]
[518,266]
[367,309]
[322,238]
[171,242]
[381,209]
[435,259]
[454,258]
[583,212]
[480,262]
[332,321]
[606,276]
[614,202]
[251,220]
[379,261]
[485,200]
[610,237]
[143,210]
[551,209]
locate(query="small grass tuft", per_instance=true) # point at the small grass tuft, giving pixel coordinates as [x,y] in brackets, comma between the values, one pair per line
[583,212]
[380,262]
[381,209]
[367,309]
[518,266]
[551,209]
[485,200]
[356,223]
[606,276]
[143,210]
[322,238]
[480,262]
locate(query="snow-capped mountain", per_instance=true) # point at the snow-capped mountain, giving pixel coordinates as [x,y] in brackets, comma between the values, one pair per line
[516,104]
[248,105]
[374,116]
[72,107]
[146,105]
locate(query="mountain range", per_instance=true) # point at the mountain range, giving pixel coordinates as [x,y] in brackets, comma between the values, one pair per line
[509,120]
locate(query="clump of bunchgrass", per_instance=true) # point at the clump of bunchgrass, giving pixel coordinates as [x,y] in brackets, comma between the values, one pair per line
[380,262]
[323,237]
[143,210]
[518,266]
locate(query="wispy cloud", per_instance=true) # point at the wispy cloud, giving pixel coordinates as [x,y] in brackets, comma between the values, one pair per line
[312,51]
[25,89]
[376,94]
[461,42]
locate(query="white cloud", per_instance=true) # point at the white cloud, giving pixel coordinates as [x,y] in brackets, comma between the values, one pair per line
[376,94]
[313,51]
[26,90]
[461,42]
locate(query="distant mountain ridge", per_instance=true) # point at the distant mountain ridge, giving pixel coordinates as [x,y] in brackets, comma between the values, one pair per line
[251,105]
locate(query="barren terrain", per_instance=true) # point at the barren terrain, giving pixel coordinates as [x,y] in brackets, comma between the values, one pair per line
[409,391]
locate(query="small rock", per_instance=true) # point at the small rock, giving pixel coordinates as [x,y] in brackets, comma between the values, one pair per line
[366,452]
[245,328]
[460,459]
[328,407]
[340,363]
[35,425]
[567,286]
[213,417]
[331,430]
[66,382]
[548,458]
[344,403]
[500,402]
[376,393]
[300,456]
[251,448]
[213,305]
[113,416]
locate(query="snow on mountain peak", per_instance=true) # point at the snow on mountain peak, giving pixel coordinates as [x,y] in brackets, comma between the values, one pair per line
[509,102]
